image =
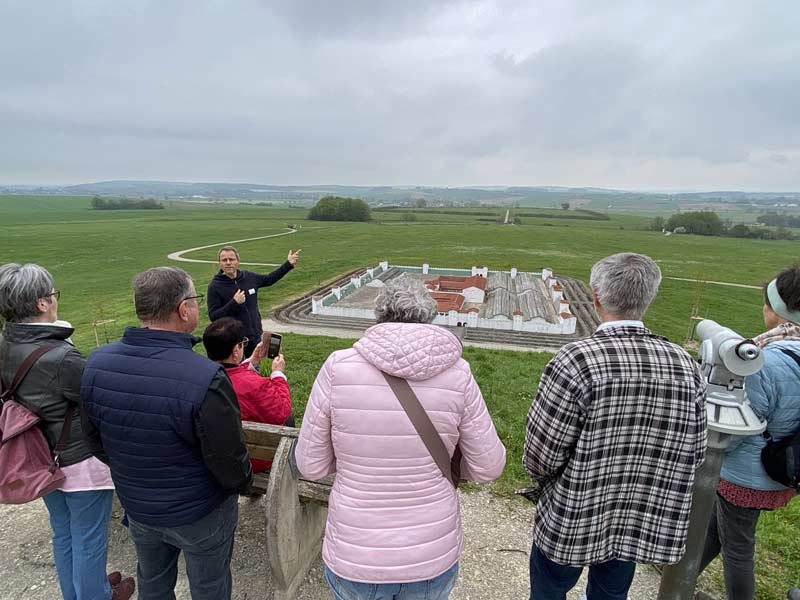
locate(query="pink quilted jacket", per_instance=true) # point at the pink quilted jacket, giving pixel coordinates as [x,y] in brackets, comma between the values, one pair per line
[393,517]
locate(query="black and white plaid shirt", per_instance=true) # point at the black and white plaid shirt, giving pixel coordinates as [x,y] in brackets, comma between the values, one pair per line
[614,436]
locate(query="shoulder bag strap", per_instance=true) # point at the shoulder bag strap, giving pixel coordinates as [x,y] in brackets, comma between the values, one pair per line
[22,372]
[766,435]
[422,423]
[63,439]
[791,354]
[23,369]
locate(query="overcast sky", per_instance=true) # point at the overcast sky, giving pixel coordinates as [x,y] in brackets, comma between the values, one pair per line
[694,95]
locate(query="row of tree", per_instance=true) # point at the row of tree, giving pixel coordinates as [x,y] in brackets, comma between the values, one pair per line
[99,203]
[709,223]
[779,220]
[336,208]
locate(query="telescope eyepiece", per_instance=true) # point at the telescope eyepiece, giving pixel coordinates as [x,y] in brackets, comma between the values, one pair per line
[747,350]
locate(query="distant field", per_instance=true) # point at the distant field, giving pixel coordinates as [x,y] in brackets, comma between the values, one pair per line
[94,255]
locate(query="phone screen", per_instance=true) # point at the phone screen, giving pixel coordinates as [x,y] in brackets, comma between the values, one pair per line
[274,347]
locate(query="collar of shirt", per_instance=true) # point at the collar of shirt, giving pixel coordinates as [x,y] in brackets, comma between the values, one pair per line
[621,323]
[58,323]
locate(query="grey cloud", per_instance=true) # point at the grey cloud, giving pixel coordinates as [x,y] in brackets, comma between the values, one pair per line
[362,19]
[455,92]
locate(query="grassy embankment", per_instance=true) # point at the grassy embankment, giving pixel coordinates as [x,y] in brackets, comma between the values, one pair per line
[94,254]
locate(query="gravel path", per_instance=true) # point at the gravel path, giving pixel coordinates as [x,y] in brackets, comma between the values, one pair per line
[354,334]
[179,254]
[494,565]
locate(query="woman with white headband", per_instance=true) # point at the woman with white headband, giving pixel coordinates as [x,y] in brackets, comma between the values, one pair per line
[745,489]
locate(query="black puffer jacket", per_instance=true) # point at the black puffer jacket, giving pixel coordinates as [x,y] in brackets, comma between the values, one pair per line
[52,383]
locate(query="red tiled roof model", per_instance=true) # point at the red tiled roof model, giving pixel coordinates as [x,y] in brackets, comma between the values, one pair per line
[448,302]
[565,315]
[457,284]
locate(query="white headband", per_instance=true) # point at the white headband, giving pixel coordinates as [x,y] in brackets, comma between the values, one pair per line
[779,306]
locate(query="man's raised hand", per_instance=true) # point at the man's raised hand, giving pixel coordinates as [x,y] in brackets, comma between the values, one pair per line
[294,256]
[239,296]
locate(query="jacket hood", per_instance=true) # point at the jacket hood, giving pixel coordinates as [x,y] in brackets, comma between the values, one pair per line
[220,276]
[412,351]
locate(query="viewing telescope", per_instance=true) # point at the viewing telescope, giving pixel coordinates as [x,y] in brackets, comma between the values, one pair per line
[726,358]
[726,354]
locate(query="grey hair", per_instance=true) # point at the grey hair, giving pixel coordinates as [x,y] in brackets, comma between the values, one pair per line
[626,284]
[158,292]
[405,300]
[21,287]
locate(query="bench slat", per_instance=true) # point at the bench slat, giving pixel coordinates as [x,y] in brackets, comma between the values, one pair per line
[260,482]
[311,490]
[261,452]
[278,431]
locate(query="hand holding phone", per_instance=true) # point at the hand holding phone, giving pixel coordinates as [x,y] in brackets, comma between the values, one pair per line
[278,364]
[272,341]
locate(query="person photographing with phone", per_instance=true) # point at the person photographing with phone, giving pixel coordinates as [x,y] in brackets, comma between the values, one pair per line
[261,399]
[233,292]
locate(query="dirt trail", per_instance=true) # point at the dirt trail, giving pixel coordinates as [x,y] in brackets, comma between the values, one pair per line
[494,565]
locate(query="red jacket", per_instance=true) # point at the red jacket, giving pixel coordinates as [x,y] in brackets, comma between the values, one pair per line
[262,400]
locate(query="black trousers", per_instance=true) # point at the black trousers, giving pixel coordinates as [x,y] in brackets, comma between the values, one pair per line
[732,532]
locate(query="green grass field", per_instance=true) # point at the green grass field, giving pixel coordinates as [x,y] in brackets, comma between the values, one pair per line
[93,256]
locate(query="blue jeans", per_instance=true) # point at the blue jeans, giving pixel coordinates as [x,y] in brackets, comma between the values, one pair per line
[207,545]
[438,588]
[79,521]
[607,581]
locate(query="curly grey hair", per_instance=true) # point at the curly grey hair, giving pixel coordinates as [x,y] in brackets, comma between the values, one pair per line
[626,284]
[21,287]
[405,300]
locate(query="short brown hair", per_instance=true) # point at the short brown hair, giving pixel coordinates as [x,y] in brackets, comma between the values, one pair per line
[228,249]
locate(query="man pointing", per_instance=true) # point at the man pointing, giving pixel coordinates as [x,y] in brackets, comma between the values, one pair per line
[234,292]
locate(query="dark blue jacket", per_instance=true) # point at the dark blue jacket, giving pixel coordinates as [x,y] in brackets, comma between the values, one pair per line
[145,397]
[221,303]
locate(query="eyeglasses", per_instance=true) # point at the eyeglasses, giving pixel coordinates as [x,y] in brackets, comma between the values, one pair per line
[198,297]
[55,293]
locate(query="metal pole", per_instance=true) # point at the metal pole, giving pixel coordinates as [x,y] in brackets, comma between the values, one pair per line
[678,580]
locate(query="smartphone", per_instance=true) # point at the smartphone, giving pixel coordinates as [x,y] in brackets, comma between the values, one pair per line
[273,342]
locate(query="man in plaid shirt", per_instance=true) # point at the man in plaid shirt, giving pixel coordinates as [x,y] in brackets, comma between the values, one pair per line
[613,438]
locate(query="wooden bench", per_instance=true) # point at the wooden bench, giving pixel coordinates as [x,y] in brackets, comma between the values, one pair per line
[296,508]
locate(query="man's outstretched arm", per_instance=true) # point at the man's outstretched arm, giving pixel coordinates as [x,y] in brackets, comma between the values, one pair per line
[277,274]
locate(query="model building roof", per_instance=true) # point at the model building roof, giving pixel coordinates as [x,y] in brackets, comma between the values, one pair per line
[447,302]
[454,283]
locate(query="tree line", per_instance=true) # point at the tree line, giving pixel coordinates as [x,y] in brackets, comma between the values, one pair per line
[99,203]
[779,220]
[337,208]
[705,222]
